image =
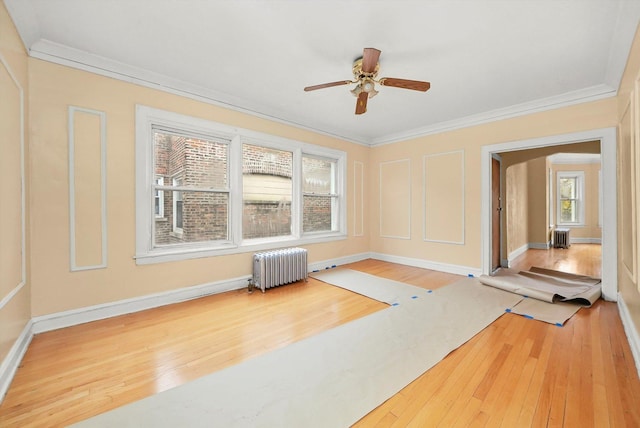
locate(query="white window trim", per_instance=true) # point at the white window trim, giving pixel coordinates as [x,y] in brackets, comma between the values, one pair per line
[581,202]
[160,215]
[146,117]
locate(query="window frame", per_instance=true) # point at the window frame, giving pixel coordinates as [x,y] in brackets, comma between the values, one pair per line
[580,202]
[148,118]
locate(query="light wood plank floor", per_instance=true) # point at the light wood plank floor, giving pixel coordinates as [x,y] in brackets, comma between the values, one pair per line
[515,373]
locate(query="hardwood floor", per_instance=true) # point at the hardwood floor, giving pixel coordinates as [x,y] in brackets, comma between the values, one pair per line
[515,373]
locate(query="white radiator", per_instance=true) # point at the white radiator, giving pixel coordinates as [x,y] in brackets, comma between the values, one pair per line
[278,267]
[561,238]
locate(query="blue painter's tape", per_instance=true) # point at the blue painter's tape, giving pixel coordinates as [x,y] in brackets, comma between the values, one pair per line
[316,270]
[508,310]
[395,304]
[333,266]
[470,275]
[430,291]
[526,297]
[414,297]
[559,325]
[529,316]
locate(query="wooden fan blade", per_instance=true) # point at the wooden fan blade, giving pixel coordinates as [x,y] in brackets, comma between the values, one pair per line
[370,60]
[361,104]
[327,85]
[415,85]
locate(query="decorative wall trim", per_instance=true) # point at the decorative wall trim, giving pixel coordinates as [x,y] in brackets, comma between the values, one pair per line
[72,190]
[585,95]
[23,228]
[358,202]
[11,362]
[6,299]
[424,198]
[607,138]
[108,310]
[426,264]
[383,235]
[629,328]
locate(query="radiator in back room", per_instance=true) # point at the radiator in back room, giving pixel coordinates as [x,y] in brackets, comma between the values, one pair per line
[279,267]
[561,238]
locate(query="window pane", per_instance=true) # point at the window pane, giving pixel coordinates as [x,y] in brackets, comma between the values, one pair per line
[193,217]
[317,213]
[568,188]
[318,176]
[201,163]
[267,192]
[568,211]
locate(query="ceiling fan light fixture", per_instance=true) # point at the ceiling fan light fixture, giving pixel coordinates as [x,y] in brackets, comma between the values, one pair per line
[365,76]
[368,85]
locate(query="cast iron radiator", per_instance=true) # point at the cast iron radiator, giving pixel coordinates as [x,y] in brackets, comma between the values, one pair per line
[561,238]
[278,267]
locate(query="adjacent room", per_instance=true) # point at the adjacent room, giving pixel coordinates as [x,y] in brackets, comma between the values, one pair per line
[320,214]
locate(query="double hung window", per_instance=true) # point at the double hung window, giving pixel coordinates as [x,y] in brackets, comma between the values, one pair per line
[204,188]
[570,198]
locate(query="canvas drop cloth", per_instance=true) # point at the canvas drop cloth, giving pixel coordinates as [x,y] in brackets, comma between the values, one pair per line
[336,377]
[551,296]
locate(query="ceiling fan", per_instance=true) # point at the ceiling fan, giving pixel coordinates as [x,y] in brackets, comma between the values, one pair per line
[365,72]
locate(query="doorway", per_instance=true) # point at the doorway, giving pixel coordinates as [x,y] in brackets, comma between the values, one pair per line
[607,138]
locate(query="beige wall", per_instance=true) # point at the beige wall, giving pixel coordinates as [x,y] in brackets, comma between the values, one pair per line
[594,115]
[538,202]
[516,207]
[55,288]
[628,176]
[14,285]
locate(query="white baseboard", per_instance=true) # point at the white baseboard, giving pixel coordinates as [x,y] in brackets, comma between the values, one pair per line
[107,310]
[426,264]
[517,252]
[585,240]
[630,330]
[539,245]
[12,361]
[331,263]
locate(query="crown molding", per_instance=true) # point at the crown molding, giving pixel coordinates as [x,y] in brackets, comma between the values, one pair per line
[26,21]
[47,50]
[592,93]
[63,55]
[621,41]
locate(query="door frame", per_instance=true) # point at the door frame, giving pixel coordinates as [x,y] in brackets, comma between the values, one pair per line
[608,142]
[497,158]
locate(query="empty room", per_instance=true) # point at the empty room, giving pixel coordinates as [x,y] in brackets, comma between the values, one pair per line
[319,214]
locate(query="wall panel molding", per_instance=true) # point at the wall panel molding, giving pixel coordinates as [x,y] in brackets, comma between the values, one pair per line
[22,205]
[439,212]
[358,198]
[80,141]
[395,199]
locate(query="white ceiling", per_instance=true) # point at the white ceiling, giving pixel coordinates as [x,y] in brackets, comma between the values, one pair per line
[485,59]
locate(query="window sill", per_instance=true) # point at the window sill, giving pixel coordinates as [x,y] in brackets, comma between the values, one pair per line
[164,255]
[570,225]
